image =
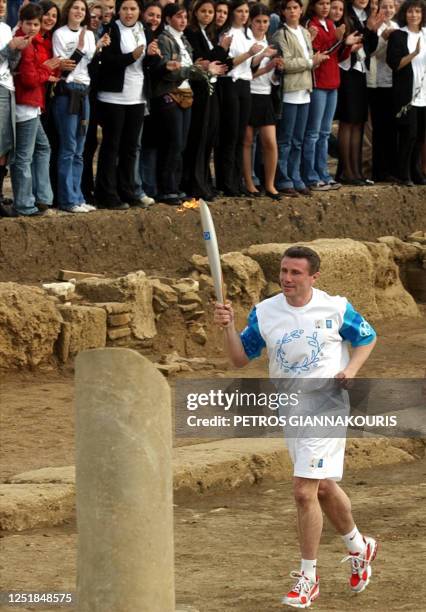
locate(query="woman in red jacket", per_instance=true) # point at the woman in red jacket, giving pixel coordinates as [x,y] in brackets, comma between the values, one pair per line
[34,71]
[326,38]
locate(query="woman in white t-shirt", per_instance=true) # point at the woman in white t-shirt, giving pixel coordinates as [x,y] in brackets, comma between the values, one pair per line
[263,117]
[406,55]
[70,106]
[235,101]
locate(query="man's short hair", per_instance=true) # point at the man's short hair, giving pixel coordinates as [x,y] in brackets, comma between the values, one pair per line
[303,252]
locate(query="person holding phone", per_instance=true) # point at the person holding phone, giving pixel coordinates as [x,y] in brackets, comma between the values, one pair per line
[71,102]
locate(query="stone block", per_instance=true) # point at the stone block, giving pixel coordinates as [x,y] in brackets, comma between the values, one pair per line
[242,275]
[402,251]
[25,506]
[117,320]
[114,307]
[85,328]
[184,285]
[135,289]
[197,333]
[119,332]
[391,297]
[163,291]
[29,326]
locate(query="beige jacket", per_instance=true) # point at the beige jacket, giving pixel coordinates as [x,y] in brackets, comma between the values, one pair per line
[297,69]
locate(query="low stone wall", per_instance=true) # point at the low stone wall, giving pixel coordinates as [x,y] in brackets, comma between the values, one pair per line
[167,314]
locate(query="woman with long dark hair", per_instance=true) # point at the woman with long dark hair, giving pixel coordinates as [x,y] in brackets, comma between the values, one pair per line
[122,94]
[236,101]
[146,164]
[172,100]
[203,132]
[352,103]
[71,103]
[326,38]
[406,55]
[295,45]
[262,116]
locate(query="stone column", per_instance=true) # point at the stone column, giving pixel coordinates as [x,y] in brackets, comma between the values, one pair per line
[124,484]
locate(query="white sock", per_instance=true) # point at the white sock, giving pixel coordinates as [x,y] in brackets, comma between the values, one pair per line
[354,541]
[308,568]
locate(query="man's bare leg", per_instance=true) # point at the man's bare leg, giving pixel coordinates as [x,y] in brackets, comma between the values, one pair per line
[309,515]
[336,506]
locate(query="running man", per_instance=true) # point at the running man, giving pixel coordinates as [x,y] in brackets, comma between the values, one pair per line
[334,323]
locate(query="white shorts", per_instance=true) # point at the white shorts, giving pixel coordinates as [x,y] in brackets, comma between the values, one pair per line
[317,457]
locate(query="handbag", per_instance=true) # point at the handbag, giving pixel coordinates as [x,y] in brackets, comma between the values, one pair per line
[183,97]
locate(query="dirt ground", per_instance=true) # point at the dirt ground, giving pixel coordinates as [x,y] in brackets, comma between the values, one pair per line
[162,239]
[233,552]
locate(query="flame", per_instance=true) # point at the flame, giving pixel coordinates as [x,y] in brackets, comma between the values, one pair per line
[188,205]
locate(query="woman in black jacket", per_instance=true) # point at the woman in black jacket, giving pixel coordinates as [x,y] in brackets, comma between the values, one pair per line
[406,55]
[172,100]
[204,127]
[122,95]
[352,102]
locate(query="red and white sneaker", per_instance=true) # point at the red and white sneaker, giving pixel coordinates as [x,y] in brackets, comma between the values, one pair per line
[303,593]
[361,565]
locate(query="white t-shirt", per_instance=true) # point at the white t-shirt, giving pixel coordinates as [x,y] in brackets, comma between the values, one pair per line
[65,42]
[306,342]
[303,96]
[241,43]
[418,65]
[132,93]
[24,112]
[262,85]
[6,79]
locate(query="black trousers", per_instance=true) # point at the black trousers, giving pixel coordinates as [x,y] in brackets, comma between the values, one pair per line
[411,136]
[90,146]
[383,122]
[173,123]
[121,128]
[202,137]
[234,117]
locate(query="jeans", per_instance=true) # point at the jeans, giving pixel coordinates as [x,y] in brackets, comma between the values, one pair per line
[30,167]
[290,135]
[318,129]
[72,134]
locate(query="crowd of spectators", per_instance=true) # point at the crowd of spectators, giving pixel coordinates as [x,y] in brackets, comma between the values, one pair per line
[206,99]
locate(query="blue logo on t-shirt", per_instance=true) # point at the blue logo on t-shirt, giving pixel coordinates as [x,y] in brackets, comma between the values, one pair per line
[328,323]
[311,360]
